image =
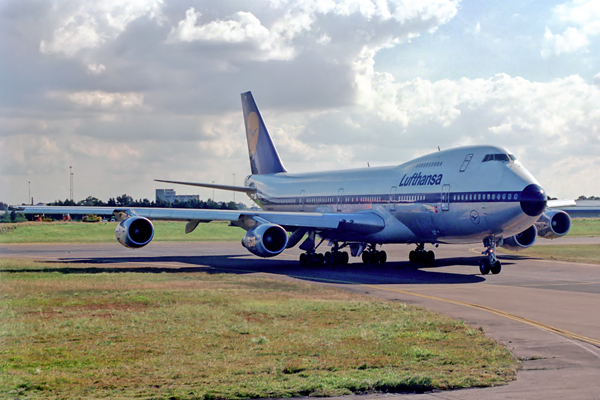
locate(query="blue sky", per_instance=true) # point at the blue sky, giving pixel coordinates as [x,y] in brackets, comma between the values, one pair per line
[126,92]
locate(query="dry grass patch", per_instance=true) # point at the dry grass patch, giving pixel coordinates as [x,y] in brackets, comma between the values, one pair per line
[198,335]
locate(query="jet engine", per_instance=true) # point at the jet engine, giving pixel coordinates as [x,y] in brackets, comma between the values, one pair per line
[522,240]
[265,240]
[134,232]
[553,224]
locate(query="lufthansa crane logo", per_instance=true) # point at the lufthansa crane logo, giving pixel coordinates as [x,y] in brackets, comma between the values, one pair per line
[252,133]
[475,217]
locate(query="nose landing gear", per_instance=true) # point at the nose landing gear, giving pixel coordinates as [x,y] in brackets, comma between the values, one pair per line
[491,262]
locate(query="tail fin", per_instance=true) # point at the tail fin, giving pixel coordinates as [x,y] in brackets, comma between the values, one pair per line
[263,154]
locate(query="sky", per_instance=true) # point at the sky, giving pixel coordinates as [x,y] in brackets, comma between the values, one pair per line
[128,92]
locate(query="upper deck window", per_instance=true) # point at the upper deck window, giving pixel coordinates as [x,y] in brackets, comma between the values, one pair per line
[499,157]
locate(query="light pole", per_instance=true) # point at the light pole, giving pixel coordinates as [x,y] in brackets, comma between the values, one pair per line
[213,199]
[71,177]
[29,198]
[234,185]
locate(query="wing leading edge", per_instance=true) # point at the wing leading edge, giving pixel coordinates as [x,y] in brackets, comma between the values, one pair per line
[363,223]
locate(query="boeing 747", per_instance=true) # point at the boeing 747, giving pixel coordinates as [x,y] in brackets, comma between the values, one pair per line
[468,194]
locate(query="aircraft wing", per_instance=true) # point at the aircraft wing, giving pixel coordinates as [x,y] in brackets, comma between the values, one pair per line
[362,222]
[560,203]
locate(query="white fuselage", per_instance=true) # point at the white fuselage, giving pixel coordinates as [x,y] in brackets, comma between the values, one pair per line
[459,195]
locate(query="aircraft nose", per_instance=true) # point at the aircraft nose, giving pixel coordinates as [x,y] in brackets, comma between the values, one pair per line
[533,200]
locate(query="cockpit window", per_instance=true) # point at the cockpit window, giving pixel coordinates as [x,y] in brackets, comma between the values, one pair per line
[499,157]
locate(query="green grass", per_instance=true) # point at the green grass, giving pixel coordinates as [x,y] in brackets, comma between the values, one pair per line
[584,227]
[79,232]
[210,336]
[104,232]
[574,253]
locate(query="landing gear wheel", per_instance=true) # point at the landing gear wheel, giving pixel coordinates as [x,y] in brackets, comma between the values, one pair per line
[345,258]
[490,263]
[381,257]
[303,259]
[366,257]
[412,256]
[429,258]
[484,266]
[496,267]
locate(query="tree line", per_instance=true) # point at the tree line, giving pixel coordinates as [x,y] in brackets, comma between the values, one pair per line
[124,200]
[128,201]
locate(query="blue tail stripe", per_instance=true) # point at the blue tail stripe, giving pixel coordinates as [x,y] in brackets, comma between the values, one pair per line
[264,158]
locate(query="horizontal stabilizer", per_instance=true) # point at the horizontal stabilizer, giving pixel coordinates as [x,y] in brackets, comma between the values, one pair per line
[243,189]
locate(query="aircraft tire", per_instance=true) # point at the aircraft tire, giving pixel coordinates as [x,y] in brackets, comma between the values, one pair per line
[366,257]
[303,260]
[484,266]
[412,256]
[319,259]
[429,258]
[330,258]
[496,268]
[344,257]
[381,257]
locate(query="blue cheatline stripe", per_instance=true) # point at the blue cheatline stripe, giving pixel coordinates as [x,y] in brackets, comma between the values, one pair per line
[408,198]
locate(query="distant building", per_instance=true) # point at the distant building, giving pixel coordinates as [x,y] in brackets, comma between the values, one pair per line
[170,196]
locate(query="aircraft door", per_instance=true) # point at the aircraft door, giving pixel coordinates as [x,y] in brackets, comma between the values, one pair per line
[445,197]
[393,198]
[466,162]
[339,199]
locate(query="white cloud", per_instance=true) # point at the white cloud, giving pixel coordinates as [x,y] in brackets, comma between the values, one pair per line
[103,100]
[150,90]
[297,23]
[544,124]
[582,21]
[88,25]
[242,27]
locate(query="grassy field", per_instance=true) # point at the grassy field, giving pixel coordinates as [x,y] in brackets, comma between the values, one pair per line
[104,232]
[584,227]
[79,232]
[574,253]
[210,336]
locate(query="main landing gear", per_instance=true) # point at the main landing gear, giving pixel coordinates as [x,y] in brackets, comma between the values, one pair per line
[490,263]
[422,257]
[329,258]
[373,256]
[333,257]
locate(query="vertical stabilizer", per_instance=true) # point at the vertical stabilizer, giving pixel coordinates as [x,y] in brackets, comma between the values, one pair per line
[263,154]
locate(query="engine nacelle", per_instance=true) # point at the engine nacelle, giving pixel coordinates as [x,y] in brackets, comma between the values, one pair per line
[265,240]
[134,232]
[553,224]
[522,240]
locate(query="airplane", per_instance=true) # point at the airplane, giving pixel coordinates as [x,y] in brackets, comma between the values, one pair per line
[468,194]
